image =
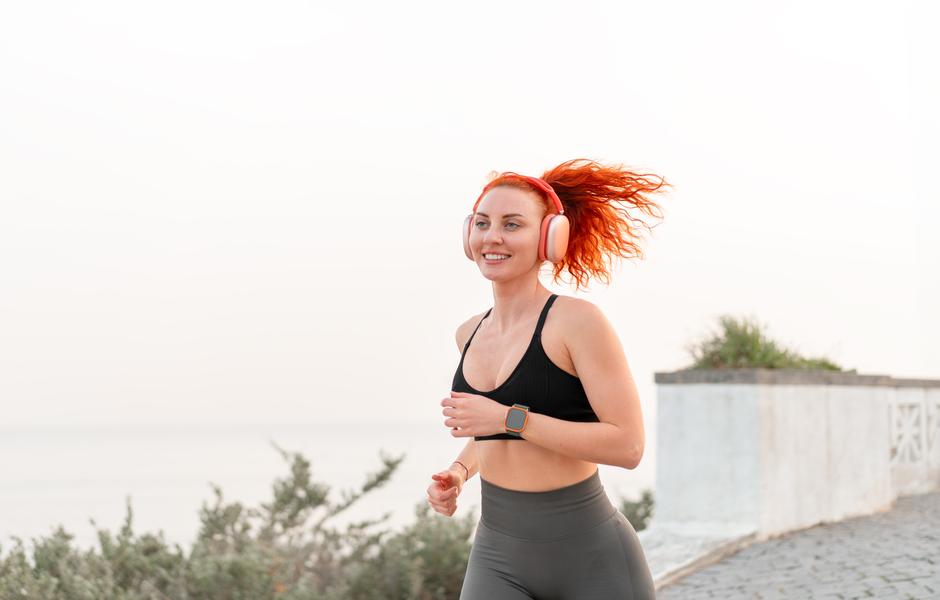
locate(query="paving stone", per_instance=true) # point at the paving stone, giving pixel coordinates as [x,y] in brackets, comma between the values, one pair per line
[889,556]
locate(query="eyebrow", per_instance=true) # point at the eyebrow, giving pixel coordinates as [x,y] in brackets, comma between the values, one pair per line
[504,216]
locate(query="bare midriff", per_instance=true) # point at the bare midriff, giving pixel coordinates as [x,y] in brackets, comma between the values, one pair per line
[521,465]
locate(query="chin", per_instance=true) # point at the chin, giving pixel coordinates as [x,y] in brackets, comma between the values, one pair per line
[502,275]
[494,277]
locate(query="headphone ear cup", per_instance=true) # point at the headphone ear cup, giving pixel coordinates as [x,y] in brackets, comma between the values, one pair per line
[466,236]
[543,235]
[553,241]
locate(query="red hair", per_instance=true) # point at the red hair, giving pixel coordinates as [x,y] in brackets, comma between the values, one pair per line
[599,229]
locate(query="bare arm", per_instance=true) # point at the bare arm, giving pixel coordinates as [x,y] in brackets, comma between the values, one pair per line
[468,456]
[596,442]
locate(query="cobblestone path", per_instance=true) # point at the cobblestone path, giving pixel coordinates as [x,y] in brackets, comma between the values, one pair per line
[892,555]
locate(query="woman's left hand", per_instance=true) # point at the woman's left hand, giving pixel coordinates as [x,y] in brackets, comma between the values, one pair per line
[472,415]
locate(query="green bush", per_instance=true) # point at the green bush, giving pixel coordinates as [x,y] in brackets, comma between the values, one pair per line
[284,549]
[639,512]
[741,344]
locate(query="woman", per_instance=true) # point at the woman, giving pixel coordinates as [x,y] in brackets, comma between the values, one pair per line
[545,392]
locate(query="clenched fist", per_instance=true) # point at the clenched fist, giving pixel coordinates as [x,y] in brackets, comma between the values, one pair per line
[443,492]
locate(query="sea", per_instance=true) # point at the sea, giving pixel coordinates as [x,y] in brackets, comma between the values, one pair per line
[69,476]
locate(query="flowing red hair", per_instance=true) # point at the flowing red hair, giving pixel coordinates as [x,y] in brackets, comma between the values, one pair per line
[600,229]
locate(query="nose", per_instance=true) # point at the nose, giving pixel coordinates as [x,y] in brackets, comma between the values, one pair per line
[492,235]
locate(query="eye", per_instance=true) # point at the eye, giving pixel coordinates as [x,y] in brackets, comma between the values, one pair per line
[479,222]
[514,224]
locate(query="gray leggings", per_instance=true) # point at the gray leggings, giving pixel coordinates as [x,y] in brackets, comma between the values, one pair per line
[570,543]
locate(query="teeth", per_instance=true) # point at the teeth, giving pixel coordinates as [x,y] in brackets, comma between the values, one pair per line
[495,256]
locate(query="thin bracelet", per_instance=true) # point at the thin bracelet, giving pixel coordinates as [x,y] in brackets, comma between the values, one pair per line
[464,466]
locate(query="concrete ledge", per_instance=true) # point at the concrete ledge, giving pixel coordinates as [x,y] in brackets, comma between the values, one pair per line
[678,549]
[788,377]
[744,455]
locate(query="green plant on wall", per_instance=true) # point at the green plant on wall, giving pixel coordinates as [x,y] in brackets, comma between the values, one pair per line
[741,343]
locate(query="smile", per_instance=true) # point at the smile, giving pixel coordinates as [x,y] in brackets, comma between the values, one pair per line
[495,257]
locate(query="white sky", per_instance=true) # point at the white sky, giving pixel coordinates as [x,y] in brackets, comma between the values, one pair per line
[251,212]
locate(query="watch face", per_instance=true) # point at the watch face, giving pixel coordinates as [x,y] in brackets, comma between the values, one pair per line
[515,419]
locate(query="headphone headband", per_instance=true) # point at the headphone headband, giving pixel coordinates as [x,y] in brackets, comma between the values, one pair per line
[533,181]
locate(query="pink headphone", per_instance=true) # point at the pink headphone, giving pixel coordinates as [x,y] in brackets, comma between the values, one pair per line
[553,236]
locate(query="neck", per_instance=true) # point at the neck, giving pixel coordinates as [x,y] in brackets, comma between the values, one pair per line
[515,302]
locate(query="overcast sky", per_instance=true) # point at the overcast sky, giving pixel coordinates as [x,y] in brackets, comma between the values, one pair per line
[250,212]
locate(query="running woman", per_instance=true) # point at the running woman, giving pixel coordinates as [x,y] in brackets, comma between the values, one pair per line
[544,393]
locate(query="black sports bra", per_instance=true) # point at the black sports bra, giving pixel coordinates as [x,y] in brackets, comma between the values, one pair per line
[536,382]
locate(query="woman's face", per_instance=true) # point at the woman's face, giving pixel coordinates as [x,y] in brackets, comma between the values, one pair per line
[507,222]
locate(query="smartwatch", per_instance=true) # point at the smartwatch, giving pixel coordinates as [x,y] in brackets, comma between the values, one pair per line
[516,419]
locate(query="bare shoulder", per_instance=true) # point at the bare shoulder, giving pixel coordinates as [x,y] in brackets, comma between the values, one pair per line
[465,329]
[570,324]
[588,342]
[577,316]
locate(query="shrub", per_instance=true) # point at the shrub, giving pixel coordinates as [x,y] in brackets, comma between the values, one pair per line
[742,344]
[281,550]
[638,512]
[284,549]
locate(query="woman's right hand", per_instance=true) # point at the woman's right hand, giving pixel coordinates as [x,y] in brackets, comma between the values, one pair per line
[443,492]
